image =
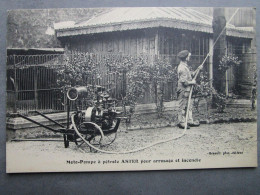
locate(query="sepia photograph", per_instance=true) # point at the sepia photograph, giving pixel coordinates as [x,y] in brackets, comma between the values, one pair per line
[131,89]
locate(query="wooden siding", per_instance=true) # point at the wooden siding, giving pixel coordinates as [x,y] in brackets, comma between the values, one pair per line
[164,41]
[172,41]
[159,41]
[133,42]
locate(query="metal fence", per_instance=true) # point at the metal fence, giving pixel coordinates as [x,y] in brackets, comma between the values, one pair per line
[31,83]
[32,80]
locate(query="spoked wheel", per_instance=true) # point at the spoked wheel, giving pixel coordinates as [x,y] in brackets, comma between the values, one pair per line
[110,136]
[92,134]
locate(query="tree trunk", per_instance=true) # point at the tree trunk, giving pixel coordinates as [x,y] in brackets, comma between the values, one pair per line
[220,48]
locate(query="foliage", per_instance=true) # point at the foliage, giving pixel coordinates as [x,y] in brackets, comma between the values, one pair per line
[138,80]
[27,27]
[143,73]
[254,89]
[219,101]
[152,75]
[79,69]
[161,72]
[227,62]
[203,90]
[119,64]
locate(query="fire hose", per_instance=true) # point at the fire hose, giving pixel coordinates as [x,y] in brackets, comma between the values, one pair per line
[120,152]
[161,141]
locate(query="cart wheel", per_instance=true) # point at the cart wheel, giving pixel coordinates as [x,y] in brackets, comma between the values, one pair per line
[66,141]
[96,140]
[92,133]
[109,137]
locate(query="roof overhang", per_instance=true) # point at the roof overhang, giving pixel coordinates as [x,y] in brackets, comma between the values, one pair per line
[247,32]
[133,25]
[11,51]
[146,24]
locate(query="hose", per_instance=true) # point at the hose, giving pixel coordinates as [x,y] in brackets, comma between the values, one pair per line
[162,141]
[120,152]
[198,70]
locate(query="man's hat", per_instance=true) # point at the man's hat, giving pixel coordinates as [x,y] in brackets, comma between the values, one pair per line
[183,54]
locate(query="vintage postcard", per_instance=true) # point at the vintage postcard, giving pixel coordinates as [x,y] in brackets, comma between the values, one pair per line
[126,89]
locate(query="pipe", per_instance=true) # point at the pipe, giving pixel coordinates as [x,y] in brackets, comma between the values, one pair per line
[49,119]
[37,123]
[20,140]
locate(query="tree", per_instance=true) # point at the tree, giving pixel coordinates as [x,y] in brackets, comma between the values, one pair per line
[219,24]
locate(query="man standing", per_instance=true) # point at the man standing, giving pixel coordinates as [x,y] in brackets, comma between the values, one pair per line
[185,81]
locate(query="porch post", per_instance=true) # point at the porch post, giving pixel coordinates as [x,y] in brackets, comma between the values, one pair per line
[226,83]
[211,63]
[157,88]
[35,87]
[156,44]
[15,87]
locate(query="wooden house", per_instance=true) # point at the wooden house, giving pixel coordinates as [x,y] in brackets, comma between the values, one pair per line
[156,31]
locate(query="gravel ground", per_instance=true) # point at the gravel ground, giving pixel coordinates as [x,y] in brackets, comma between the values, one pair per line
[197,142]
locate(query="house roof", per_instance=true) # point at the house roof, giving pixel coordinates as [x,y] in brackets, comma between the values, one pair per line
[23,51]
[122,19]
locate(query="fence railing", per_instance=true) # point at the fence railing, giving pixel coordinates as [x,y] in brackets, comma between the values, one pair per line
[32,80]
[31,83]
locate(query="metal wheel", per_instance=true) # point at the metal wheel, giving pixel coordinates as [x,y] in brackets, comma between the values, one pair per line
[91,133]
[109,137]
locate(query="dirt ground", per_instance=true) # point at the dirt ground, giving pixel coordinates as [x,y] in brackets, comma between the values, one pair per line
[204,141]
